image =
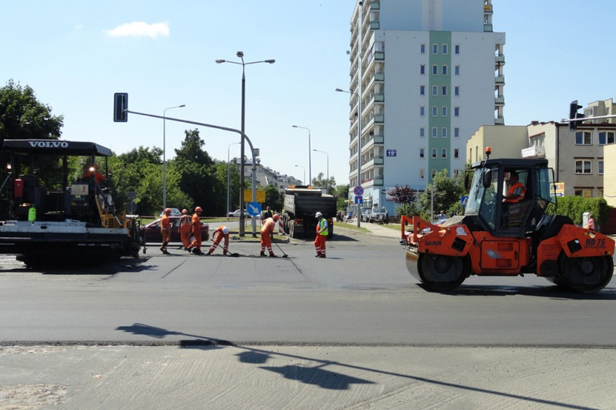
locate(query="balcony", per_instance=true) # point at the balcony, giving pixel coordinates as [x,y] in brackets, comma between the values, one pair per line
[379,76]
[533,152]
[500,59]
[499,79]
[499,121]
[375,25]
[375,5]
[499,100]
[488,28]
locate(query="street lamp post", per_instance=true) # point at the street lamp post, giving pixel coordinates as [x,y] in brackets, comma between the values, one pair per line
[309,155]
[323,152]
[228,176]
[240,54]
[304,168]
[164,157]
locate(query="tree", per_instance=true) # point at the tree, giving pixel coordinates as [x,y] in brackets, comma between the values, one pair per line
[342,195]
[273,198]
[405,196]
[321,182]
[447,193]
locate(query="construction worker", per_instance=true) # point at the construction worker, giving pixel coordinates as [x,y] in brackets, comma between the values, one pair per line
[165,230]
[516,191]
[267,231]
[217,236]
[185,225]
[195,246]
[322,231]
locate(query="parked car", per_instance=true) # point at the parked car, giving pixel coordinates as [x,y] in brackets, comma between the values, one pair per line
[174,212]
[378,215]
[152,231]
[365,215]
[236,213]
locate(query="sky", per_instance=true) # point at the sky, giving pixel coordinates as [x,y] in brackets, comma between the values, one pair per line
[76,54]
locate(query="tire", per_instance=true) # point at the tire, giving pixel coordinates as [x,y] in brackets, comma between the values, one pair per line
[585,275]
[441,273]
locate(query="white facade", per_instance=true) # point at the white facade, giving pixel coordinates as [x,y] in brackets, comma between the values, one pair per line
[430,74]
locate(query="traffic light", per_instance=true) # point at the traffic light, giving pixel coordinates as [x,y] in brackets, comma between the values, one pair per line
[573,114]
[120,107]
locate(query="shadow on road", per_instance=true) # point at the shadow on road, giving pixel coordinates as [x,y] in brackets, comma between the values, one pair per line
[316,375]
[548,291]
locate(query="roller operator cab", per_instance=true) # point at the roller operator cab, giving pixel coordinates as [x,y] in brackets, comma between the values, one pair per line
[506,232]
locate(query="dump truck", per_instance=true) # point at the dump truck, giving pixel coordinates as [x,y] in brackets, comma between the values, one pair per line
[505,231]
[301,203]
[72,218]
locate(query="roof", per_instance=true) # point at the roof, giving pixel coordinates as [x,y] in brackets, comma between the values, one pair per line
[56,147]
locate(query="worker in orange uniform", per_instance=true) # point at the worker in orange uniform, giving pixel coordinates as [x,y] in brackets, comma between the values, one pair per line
[185,225]
[165,231]
[322,231]
[195,246]
[219,234]
[267,231]
[516,191]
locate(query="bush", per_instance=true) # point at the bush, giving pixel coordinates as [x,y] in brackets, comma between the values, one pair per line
[575,206]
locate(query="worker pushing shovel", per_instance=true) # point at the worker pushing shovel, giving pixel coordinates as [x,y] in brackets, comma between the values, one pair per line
[219,234]
[267,231]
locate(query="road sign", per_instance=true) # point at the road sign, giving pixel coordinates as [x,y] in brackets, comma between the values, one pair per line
[391,152]
[464,200]
[359,199]
[260,196]
[358,190]
[253,209]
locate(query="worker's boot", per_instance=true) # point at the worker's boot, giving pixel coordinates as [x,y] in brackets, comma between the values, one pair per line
[262,253]
[272,255]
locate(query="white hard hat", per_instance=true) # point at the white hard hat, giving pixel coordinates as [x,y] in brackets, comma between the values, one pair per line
[318,214]
[225,230]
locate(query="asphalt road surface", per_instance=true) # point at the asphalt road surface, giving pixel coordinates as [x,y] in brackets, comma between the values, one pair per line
[350,331]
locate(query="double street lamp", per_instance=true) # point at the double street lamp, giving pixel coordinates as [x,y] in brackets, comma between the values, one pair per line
[164,157]
[309,155]
[240,55]
[229,177]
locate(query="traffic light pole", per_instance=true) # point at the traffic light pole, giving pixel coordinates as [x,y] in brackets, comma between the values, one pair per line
[218,127]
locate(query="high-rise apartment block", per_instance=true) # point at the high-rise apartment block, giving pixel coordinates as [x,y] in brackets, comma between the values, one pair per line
[425,75]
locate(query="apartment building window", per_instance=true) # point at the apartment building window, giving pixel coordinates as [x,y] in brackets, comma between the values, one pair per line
[422,69]
[435,111]
[600,167]
[445,49]
[434,90]
[455,173]
[444,111]
[434,153]
[456,70]
[422,111]
[421,173]
[444,132]
[456,132]
[434,69]
[434,132]
[606,137]
[422,90]
[457,49]
[583,138]
[583,167]
[444,69]
[444,90]
[433,173]
[422,49]
[456,153]
[456,90]
[456,111]
[444,153]
[422,132]
[434,48]
[421,152]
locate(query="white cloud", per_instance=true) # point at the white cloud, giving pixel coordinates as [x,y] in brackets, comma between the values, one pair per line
[140,29]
